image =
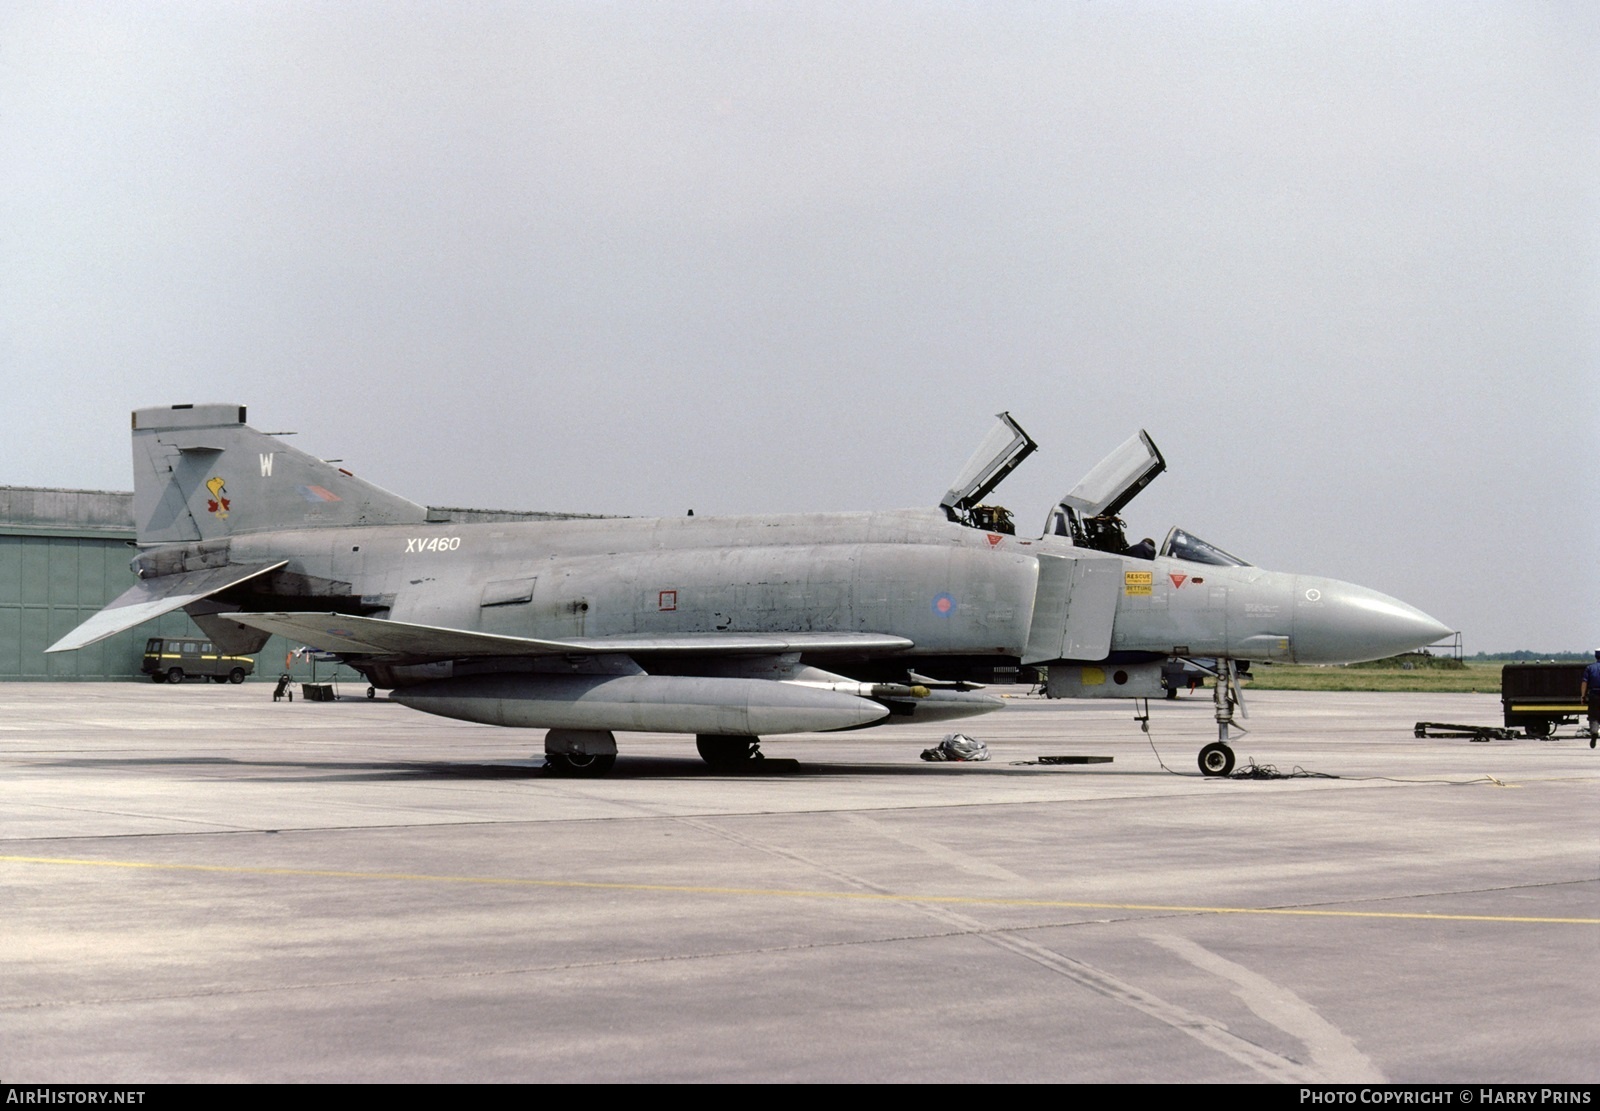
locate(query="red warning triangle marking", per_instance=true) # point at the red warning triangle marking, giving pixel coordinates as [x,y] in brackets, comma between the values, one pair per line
[1177,580]
[994,539]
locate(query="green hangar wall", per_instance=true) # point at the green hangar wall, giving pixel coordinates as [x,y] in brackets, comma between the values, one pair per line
[63,555]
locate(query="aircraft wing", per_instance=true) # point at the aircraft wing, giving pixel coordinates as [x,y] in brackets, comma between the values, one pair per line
[367,636]
[150,598]
[747,644]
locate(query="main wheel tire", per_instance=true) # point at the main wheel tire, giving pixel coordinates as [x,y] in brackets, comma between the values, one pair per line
[1216,759]
[728,752]
[578,764]
[1539,728]
[174,674]
[236,675]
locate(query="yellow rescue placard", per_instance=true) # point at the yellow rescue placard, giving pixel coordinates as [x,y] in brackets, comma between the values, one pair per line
[1137,582]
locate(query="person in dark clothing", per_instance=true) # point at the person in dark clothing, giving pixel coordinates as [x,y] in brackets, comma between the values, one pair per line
[1590,692]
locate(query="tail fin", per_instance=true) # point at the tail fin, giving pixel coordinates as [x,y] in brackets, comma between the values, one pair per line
[201,473]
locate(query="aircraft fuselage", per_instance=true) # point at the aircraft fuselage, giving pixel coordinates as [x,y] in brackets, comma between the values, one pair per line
[727,628]
[951,590]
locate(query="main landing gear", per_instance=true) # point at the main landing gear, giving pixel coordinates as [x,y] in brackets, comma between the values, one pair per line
[579,765]
[593,752]
[728,753]
[583,753]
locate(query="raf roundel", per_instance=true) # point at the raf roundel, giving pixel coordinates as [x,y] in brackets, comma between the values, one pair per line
[944,605]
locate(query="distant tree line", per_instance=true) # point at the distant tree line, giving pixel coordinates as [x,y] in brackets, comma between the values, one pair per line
[1423,659]
[1413,661]
[1517,657]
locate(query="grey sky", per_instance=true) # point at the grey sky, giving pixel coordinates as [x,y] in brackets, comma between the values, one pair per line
[1340,260]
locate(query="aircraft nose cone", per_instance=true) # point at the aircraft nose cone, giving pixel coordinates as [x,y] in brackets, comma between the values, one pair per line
[1338,622]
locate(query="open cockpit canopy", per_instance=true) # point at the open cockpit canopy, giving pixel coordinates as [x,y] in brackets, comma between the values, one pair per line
[1088,513]
[998,455]
[1117,479]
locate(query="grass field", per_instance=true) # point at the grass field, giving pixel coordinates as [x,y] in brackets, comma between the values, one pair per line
[1475,678]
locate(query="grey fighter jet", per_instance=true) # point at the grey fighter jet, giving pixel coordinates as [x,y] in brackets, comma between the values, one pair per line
[728,628]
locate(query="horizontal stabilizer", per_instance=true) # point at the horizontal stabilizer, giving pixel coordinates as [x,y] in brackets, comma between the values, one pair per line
[367,636]
[150,598]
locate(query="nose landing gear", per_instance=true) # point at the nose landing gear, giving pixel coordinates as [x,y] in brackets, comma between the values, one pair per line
[1216,759]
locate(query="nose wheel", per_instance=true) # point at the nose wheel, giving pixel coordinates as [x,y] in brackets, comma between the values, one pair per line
[1216,759]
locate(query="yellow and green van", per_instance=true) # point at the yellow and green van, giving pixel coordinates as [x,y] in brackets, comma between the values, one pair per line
[174,659]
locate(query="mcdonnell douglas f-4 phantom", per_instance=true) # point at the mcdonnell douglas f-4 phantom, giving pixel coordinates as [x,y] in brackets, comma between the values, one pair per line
[726,628]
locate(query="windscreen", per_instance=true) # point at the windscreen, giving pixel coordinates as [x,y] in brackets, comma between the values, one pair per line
[1184,545]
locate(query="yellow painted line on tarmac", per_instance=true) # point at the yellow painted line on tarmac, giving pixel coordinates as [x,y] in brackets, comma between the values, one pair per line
[783,893]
